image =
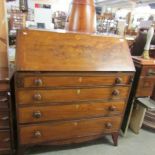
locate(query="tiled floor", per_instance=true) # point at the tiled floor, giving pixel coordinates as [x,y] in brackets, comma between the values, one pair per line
[142,144]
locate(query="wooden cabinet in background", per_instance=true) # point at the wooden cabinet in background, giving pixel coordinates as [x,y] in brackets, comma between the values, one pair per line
[5,113]
[143,85]
[70,88]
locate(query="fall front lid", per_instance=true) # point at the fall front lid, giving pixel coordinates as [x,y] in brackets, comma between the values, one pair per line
[55,51]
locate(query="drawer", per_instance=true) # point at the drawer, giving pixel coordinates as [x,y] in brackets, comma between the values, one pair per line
[4,100]
[68,81]
[32,134]
[69,95]
[5,139]
[4,86]
[70,111]
[145,86]
[148,71]
[4,120]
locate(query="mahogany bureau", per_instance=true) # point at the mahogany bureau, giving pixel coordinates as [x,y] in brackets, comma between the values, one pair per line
[5,120]
[70,87]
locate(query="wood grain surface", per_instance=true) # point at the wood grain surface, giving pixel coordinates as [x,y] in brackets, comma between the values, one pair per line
[55,51]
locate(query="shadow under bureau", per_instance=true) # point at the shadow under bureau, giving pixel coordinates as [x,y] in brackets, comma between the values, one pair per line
[70,87]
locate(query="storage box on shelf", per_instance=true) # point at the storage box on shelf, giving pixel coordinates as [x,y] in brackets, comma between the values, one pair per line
[71,94]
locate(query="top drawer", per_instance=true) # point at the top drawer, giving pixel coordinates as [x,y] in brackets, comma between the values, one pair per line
[69,81]
[148,71]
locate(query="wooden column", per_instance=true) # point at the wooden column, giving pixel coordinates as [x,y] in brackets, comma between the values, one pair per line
[3,35]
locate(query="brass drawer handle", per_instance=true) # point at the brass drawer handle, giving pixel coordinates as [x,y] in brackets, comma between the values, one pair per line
[37,97]
[6,140]
[4,100]
[116,93]
[112,108]
[151,72]
[37,134]
[38,82]
[118,80]
[37,114]
[108,125]
[5,118]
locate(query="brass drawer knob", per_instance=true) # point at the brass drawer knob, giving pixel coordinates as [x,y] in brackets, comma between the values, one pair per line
[116,93]
[37,97]
[112,108]
[37,114]
[108,125]
[37,134]
[38,82]
[118,80]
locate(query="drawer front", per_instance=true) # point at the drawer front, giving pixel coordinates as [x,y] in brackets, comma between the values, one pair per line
[68,95]
[4,86]
[63,81]
[4,139]
[148,71]
[3,101]
[67,130]
[70,111]
[145,86]
[4,120]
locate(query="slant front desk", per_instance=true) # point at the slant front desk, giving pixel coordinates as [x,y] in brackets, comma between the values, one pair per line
[70,87]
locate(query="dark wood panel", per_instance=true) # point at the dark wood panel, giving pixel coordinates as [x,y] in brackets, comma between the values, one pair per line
[70,111]
[4,120]
[3,101]
[47,80]
[5,139]
[68,95]
[4,86]
[33,134]
[145,86]
[148,71]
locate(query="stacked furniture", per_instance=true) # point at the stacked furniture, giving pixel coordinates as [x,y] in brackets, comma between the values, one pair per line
[5,120]
[70,87]
[143,87]
[146,85]
[5,113]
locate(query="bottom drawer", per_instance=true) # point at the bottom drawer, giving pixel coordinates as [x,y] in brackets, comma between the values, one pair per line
[5,140]
[32,134]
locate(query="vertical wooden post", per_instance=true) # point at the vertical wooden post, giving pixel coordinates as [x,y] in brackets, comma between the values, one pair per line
[3,35]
